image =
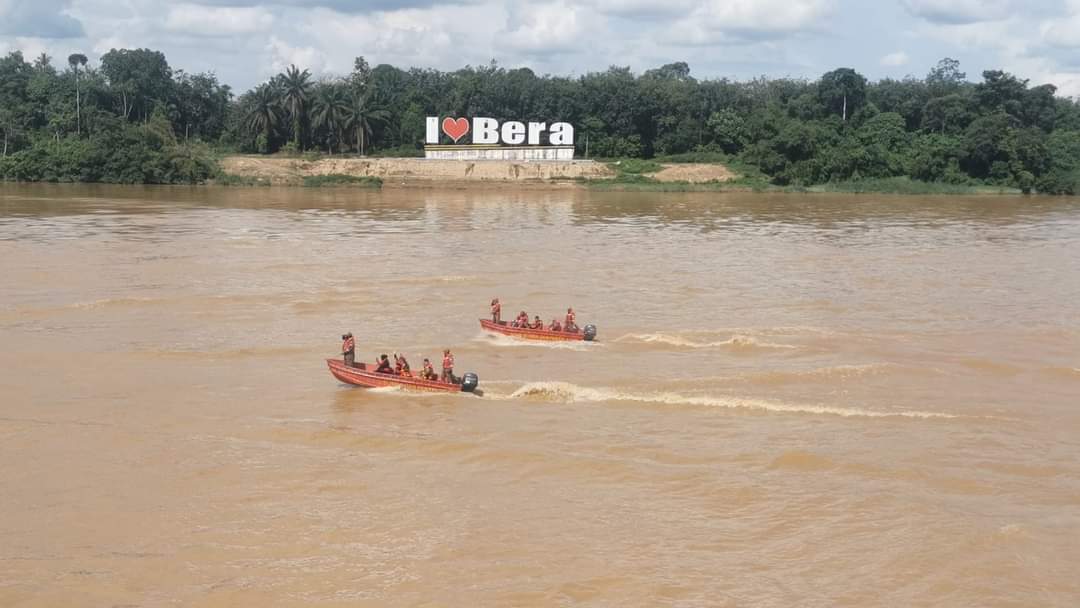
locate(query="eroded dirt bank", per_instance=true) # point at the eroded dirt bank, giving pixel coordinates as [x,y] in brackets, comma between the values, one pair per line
[419,172]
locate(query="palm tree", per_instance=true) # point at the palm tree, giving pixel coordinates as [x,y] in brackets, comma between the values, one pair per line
[364,111]
[75,60]
[264,114]
[295,89]
[330,110]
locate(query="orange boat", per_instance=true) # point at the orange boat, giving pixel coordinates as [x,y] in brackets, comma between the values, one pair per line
[362,375]
[588,333]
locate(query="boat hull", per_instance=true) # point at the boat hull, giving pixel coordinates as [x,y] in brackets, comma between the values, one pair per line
[531,334]
[360,375]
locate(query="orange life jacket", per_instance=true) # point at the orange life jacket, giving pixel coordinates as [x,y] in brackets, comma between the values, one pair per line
[448,362]
[348,345]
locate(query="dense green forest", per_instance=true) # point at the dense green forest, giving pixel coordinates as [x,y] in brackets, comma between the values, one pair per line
[133,119]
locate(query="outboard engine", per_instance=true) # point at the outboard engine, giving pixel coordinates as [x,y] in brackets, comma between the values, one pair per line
[469,382]
[590,333]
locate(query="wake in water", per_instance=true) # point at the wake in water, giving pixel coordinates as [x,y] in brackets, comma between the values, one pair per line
[563,392]
[678,340]
[502,341]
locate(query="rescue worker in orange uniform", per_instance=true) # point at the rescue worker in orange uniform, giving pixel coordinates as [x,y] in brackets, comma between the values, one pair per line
[570,324]
[429,372]
[537,323]
[555,325]
[447,366]
[348,349]
[401,366]
[496,311]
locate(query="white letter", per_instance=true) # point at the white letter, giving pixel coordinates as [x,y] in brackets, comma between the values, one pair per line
[562,134]
[513,133]
[485,131]
[535,129]
[432,130]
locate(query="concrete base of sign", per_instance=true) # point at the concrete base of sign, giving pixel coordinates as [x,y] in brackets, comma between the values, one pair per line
[523,153]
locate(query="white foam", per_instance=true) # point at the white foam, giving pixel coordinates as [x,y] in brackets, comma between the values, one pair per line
[737,341]
[564,392]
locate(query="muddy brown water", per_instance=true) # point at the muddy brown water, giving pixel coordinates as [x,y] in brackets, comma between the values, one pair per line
[794,400]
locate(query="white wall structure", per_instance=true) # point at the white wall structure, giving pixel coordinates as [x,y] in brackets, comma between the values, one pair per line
[466,152]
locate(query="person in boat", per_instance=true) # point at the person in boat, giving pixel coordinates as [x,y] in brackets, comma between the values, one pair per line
[401,366]
[447,366]
[538,323]
[523,319]
[570,325]
[384,365]
[429,372]
[496,311]
[555,325]
[348,349]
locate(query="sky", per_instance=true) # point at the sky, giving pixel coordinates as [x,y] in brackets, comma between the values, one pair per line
[246,41]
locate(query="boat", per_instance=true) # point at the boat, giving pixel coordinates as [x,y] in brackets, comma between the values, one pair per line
[360,374]
[588,333]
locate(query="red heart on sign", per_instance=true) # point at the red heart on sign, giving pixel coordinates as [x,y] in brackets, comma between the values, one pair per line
[456,129]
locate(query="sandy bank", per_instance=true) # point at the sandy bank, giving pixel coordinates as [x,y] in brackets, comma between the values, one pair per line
[396,172]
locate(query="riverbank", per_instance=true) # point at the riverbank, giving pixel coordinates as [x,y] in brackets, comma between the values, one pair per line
[419,172]
[627,175]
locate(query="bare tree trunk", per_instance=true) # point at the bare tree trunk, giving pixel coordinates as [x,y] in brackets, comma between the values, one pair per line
[78,110]
[361,141]
[5,144]
[845,108]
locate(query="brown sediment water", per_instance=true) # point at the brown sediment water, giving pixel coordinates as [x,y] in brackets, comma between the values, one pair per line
[829,400]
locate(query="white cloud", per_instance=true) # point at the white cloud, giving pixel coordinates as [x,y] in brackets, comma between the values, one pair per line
[545,28]
[896,59]
[210,21]
[724,21]
[282,55]
[958,11]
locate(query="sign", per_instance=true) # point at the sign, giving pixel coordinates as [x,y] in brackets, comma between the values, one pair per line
[487,139]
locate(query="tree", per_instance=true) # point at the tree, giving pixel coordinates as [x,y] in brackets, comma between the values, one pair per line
[842,90]
[330,110]
[945,78]
[948,114]
[295,87]
[75,60]
[364,111]
[264,114]
[141,78]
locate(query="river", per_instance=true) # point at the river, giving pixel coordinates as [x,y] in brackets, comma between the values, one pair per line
[794,400]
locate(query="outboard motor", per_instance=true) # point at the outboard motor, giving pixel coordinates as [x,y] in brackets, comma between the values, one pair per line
[469,382]
[590,333]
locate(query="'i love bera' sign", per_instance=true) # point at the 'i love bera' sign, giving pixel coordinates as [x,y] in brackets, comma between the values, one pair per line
[488,132]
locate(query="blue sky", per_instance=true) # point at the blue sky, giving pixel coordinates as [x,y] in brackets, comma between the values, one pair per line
[245,41]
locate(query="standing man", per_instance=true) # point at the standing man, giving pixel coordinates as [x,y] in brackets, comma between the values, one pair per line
[496,311]
[571,321]
[447,366]
[348,350]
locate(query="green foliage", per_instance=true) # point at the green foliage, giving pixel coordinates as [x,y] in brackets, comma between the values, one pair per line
[134,119]
[336,179]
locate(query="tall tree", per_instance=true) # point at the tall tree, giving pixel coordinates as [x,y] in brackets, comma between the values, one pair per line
[364,111]
[842,90]
[330,111]
[264,114]
[295,90]
[75,60]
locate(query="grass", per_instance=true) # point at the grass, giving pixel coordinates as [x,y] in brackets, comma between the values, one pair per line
[339,179]
[906,185]
[228,179]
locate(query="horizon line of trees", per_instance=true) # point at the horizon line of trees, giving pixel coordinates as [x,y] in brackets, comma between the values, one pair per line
[133,119]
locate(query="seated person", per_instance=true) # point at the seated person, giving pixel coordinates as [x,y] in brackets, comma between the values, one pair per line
[384,365]
[429,372]
[555,325]
[537,323]
[402,366]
